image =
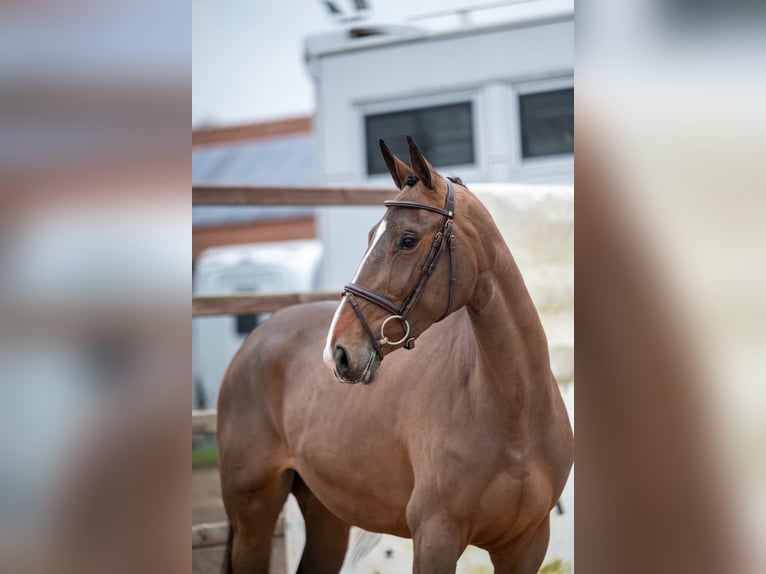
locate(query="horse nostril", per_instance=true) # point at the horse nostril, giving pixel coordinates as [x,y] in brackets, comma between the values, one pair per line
[341,361]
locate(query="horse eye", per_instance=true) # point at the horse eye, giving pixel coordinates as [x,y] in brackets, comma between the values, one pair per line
[408,242]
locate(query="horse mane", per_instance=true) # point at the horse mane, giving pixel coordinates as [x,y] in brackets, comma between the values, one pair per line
[456,180]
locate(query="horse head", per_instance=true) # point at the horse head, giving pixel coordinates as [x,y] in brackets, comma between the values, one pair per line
[408,278]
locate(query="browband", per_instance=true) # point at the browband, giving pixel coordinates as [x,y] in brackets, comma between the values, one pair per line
[416,205]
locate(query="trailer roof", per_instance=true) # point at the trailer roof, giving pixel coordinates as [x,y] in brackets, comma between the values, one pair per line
[438,26]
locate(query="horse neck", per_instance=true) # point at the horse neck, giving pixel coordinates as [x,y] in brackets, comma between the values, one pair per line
[512,348]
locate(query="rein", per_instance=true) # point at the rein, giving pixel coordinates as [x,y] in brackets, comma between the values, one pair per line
[442,238]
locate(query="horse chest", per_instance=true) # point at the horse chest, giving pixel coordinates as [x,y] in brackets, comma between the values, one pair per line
[474,471]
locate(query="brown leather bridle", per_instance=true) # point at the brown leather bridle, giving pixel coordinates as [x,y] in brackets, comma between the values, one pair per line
[443,237]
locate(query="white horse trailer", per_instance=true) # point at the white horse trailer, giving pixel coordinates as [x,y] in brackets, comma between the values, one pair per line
[284,267]
[488,95]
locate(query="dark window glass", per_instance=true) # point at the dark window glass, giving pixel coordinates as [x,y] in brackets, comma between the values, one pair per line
[443,133]
[246,323]
[689,16]
[547,123]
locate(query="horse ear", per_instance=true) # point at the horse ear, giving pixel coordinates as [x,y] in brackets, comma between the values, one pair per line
[396,167]
[420,164]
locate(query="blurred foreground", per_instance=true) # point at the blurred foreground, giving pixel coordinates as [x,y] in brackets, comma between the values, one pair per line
[670,287]
[94,287]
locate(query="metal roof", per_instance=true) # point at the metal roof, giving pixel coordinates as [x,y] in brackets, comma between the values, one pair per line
[278,161]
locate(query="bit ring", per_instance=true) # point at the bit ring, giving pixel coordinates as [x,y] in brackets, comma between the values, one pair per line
[384,340]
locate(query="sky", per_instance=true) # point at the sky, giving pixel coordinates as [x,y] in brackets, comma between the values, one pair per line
[248,54]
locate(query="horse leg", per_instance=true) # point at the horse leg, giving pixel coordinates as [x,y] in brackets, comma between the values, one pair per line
[326,535]
[523,557]
[438,541]
[253,514]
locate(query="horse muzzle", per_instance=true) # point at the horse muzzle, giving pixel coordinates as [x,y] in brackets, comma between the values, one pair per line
[346,370]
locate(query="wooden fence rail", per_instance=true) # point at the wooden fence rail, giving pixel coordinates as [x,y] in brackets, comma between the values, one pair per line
[260,195]
[207,305]
[211,534]
[204,421]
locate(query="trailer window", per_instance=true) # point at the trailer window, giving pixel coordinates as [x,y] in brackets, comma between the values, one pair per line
[547,123]
[246,323]
[443,133]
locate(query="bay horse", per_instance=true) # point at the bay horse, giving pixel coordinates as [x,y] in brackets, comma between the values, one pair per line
[462,440]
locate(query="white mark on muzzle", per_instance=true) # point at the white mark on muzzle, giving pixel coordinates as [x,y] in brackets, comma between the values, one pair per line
[327,355]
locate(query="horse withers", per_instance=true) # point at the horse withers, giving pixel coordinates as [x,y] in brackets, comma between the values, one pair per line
[461,439]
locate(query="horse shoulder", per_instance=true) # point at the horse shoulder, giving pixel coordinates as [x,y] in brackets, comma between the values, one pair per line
[252,396]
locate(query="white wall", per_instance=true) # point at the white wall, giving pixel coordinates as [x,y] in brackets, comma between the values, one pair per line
[487,66]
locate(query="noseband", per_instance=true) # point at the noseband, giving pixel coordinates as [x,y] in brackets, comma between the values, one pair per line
[443,237]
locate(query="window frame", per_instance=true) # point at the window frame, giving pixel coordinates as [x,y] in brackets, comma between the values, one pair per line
[532,167]
[472,171]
